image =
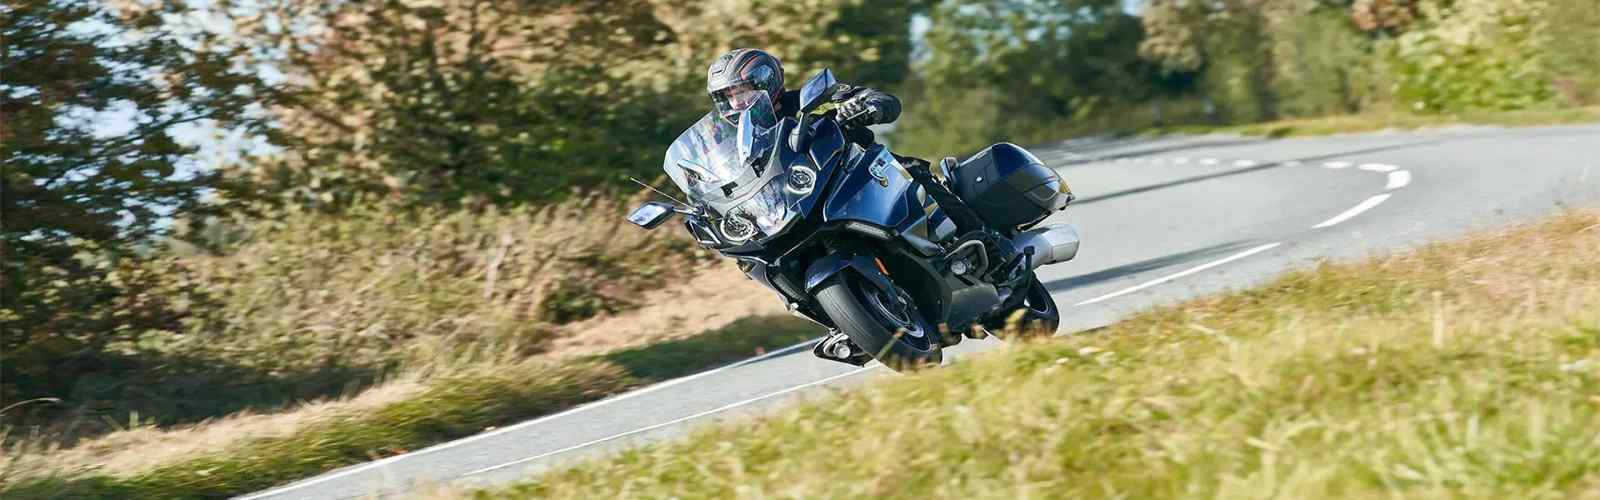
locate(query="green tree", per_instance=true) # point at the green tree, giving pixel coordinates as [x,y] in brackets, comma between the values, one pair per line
[80,198]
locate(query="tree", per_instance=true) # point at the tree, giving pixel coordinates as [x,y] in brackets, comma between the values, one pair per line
[517,101]
[79,197]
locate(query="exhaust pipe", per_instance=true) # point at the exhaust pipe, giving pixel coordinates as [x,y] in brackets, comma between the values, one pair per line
[1050,244]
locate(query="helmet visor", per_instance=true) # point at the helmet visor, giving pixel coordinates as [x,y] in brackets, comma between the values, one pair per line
[734,100]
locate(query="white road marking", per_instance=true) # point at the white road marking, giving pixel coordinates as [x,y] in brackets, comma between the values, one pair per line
[1292,163]
[1190,271]
[1180,160]
[1378,167]
[671,422]
[1354,211]
[1245,163]
[1208,161]
[503,430]
[1336,164]
[1398,179]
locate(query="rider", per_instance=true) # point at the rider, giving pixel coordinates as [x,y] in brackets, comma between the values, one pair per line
[733,76]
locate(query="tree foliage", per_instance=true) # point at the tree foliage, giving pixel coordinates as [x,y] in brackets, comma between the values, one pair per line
[512,101]
[81,197]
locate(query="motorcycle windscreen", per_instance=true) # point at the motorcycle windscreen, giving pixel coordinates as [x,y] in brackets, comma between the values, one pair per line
[721,162]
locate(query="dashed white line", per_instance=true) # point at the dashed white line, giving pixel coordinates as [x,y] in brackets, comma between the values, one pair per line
[671,422]
[1377,167]
[1208,161]
[1336,164]
[1354,211]
[1190,271]
[1398,179]
[1245,163]
[1180,160]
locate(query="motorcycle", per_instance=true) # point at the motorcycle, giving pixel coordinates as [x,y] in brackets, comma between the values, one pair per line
[850,242]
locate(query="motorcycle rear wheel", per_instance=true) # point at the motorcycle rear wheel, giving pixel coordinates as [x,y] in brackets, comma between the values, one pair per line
[885,323]
[1036,316]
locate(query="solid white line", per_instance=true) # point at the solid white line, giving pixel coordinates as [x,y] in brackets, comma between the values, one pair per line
[1354,211]
[671,422]
[1377,167]
[503,430]
[1398,179]
[1336,164]
[1196,269]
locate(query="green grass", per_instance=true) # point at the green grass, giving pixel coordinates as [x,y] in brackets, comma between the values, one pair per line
[1343,124]
[1466,369]
[453,406]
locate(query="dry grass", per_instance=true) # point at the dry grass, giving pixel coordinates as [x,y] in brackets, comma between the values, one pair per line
[306,306]
[710,300]
[451,404]
[1467,369]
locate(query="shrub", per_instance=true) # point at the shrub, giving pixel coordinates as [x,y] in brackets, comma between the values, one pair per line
[1473,54]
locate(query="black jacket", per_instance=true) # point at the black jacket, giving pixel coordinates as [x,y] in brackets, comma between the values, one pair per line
[888,110]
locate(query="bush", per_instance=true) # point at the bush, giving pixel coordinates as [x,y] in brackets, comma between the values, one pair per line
[1473,54]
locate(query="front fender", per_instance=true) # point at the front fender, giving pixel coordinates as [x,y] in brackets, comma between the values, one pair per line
[831,265]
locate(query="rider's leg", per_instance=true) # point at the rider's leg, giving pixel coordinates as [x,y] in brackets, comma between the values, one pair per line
[999,251]
[964,218]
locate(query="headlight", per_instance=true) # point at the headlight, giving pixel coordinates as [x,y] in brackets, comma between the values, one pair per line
[767,211]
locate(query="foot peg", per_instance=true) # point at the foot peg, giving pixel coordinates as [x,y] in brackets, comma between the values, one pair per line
[838,347]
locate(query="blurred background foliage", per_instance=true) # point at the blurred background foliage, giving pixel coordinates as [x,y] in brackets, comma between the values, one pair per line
[439,176]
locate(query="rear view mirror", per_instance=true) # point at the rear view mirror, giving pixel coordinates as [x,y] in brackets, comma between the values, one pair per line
[817,91]
[650,214]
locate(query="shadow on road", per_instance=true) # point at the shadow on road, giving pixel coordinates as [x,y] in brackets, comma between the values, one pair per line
[1146,265]
[1088,148]
[733,343]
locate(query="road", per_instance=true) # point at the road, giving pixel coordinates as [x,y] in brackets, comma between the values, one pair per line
[1163,219]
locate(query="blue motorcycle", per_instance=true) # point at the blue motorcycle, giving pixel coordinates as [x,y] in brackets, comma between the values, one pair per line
[848,241]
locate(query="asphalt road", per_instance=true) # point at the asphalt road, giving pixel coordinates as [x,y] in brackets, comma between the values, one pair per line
[1162,219]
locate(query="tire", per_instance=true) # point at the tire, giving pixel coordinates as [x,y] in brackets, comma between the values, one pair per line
[1039,315]
[871,318]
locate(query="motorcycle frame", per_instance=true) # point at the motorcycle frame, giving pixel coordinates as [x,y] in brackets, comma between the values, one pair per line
[868,218]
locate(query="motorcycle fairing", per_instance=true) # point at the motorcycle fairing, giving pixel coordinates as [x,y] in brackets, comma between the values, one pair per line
[877,190]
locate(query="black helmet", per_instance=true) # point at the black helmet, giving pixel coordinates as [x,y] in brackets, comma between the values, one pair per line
[741,71]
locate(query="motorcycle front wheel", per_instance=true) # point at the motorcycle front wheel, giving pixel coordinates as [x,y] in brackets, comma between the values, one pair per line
[885,323]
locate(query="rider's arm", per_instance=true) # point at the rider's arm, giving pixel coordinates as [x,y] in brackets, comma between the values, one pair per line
[888,105]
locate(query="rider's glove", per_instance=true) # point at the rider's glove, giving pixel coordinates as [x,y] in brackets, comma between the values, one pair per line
[857,111]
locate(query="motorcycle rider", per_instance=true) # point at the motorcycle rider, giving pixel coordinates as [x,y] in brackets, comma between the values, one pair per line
[736,79]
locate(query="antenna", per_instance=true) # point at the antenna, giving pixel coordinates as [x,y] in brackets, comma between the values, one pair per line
[658,191]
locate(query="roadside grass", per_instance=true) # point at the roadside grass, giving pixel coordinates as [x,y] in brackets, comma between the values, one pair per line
[455,405]
[1462,369]
[1344,124]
